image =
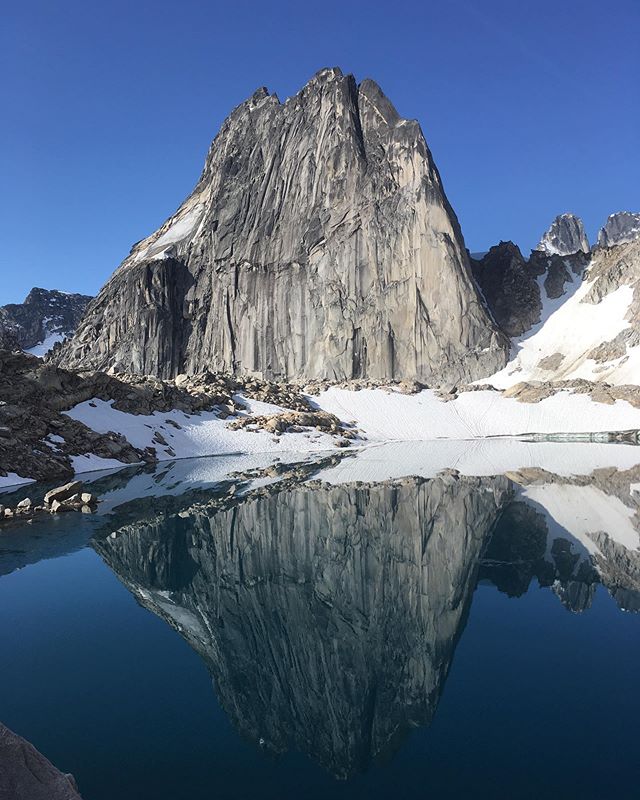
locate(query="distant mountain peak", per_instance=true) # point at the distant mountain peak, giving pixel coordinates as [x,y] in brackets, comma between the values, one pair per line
[565,236]
[621,227]
[46,316]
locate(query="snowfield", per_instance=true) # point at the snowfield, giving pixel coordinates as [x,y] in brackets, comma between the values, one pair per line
[387,415]
[572,329]
[194,435]
[458,431]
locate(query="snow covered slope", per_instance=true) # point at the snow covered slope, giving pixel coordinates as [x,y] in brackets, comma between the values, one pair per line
[388,415]
[590,332]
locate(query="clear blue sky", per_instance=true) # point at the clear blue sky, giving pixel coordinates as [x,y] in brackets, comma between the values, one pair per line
[530,109]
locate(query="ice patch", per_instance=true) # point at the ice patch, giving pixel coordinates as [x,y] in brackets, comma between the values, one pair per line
[387,415]
[91,463]
[11,479]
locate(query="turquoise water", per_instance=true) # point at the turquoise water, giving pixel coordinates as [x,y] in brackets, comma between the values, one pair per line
[317,643]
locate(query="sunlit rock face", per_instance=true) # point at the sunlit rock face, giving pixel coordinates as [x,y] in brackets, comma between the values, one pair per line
[318,243]
[327,616]
[565,236]
[624,226]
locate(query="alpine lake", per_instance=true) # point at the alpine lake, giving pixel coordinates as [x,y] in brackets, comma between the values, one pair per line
[406,621]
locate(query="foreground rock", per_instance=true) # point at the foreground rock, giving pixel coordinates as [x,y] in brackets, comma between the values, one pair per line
[317,244]
[25,774]
[69,497]
[39,441]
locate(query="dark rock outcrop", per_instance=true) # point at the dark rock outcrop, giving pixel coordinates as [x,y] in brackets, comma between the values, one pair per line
[317,244]
[46,314]
[515,288]
[509,286]
[25,774]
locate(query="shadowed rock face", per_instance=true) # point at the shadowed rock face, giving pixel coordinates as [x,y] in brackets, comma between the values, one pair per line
[328,616]
[318,243]
[508,283]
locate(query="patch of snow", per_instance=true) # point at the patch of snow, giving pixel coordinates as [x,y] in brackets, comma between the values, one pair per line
[43,347]
[179,228]
[91,463]
[583,511]
[202,434]
[387,415]
[53,437]
[569,327]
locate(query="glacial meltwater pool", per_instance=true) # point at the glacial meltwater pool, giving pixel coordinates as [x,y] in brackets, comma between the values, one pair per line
[335,630]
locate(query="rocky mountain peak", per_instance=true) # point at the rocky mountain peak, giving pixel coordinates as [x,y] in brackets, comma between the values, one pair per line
[624,226]
[318,243]
[45,317]
[565,237]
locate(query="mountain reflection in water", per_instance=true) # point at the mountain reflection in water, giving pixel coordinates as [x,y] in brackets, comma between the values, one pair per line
[328,615]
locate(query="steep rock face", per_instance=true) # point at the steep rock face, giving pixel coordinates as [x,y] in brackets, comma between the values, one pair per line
[509,286]
[46,316]
[328,616]
[619,228]
[565,237]
[318,243]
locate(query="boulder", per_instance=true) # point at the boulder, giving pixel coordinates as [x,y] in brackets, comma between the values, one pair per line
[62,492]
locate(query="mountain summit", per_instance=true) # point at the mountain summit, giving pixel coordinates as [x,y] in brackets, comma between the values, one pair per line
[318,243]
[45,317]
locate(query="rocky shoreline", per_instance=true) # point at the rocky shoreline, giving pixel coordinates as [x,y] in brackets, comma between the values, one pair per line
[69,497]
[43,439]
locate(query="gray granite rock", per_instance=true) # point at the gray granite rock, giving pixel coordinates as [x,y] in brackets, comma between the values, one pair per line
[318,243]
[565,237]
[624,226]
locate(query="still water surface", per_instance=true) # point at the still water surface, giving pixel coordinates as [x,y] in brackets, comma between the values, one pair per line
[446,636]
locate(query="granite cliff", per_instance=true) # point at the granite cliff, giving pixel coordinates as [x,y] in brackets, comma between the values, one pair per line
[318,243]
